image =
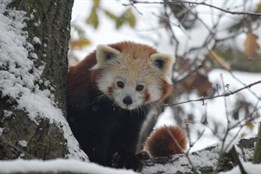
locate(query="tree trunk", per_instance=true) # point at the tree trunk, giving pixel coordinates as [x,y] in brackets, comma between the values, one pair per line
[39,136]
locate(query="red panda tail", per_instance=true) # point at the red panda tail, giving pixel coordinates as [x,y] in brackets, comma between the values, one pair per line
[165,141]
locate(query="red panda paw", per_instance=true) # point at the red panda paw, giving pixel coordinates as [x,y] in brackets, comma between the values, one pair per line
[165,141]
[127,161]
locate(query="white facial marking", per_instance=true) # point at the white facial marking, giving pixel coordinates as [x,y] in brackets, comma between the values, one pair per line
[104,83]
[155,92]
[128,97]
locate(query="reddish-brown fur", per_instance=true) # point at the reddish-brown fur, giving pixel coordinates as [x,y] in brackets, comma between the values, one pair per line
[165,141]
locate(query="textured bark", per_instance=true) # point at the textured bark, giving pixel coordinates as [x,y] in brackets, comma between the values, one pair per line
[51,24]
[257,153]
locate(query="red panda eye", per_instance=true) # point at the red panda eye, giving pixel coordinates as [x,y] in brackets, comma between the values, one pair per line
[139,87]
[120,84]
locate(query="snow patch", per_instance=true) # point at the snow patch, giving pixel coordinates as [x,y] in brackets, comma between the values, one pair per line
[248,166]
[36,40]
[55,166]
[22,143]
[180,163]
[1,130]
[7,113]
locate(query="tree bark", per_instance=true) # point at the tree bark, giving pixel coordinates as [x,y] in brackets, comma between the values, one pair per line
[257,152]
[49,22]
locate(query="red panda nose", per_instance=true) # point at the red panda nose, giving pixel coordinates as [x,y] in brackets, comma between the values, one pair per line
[127,100]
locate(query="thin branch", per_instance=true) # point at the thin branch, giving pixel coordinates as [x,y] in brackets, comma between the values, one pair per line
[223,140]
[216,96]
[191,144]
[236,158]
[240,81]
[195,3]
[132,4]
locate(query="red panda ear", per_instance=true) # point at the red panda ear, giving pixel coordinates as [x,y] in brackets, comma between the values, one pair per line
[164,63]
[104,53]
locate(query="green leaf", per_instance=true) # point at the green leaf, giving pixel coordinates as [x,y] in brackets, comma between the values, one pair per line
[131,18]
[127,17]
[258,8]
[119,22]
[96,3]
[93,19]
[110,15]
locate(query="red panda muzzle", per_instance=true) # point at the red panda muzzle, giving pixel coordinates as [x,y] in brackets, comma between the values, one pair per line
[127,100]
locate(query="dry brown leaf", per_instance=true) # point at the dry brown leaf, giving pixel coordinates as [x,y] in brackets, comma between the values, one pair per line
[251,45]
[198,82]
[203,85]
[219,60]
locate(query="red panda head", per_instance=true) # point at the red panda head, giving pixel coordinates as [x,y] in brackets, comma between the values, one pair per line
[133,75]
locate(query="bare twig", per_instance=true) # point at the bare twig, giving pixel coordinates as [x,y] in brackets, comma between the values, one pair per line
[217,96]
[223,140]
[132,4]
[240,81]
[236,158]
[195,3]
[191,144]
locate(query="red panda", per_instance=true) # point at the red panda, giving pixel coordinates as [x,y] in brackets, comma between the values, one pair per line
[109,96]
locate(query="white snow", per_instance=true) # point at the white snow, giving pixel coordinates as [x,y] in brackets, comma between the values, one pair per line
[180,163]
[58,165]
[22,143]
[36,40]
[248,167]
[1,131]
[7,113]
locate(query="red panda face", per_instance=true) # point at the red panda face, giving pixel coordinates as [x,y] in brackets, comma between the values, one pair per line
[132,80]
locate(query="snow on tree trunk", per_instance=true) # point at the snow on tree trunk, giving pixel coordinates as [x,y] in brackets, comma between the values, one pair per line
[33,66]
